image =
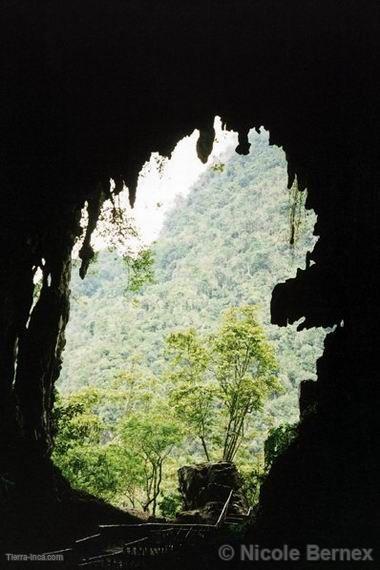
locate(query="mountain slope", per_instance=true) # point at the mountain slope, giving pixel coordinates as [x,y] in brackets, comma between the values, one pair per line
[226,244]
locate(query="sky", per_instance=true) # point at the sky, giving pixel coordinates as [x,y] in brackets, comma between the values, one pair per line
[162,180]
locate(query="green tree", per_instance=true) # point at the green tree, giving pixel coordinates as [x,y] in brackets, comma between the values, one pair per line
[79,450]
[193,399]
[195,404]
[150,438]
[141,269]
[87,449]
[245,369]
[229,374]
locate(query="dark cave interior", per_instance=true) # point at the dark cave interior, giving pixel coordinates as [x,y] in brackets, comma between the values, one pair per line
[89,90]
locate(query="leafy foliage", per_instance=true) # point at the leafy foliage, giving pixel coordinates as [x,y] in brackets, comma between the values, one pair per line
[120,459]
[150,438]
[246,371]
[219,380]
[278,440]
[79,450]
[225,245]
[141,270]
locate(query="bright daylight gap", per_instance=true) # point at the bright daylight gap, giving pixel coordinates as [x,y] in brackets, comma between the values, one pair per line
[172,370]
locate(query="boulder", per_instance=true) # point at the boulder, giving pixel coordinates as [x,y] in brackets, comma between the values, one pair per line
[205,488]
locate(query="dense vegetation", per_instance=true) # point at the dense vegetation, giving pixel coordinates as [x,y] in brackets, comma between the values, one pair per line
[218,381]
[125,415]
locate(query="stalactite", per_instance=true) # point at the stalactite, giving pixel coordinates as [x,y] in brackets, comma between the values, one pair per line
[94,207]
[205,141]
[91,92]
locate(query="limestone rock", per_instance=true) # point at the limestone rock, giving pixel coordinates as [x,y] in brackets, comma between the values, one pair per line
[205,488]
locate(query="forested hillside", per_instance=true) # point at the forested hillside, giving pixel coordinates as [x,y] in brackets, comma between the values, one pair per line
[226,244]
[189,368]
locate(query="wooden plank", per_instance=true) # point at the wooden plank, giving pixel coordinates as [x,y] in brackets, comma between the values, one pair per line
[113,555]
[154,526]
[223,514]
[88,538]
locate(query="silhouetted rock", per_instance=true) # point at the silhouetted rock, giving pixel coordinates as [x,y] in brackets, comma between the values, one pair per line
[205,488]
[90,90]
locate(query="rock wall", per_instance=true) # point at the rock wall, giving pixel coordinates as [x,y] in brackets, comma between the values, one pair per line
[90,89]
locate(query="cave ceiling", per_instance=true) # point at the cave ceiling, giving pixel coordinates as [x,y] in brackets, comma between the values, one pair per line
[91,88]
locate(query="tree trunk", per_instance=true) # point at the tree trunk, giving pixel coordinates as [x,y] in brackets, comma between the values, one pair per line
[205,448]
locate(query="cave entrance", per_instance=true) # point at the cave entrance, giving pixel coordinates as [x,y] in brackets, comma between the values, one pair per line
[204,240]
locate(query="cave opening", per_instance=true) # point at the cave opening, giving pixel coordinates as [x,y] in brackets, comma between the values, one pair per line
[90,90]
[153,298]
